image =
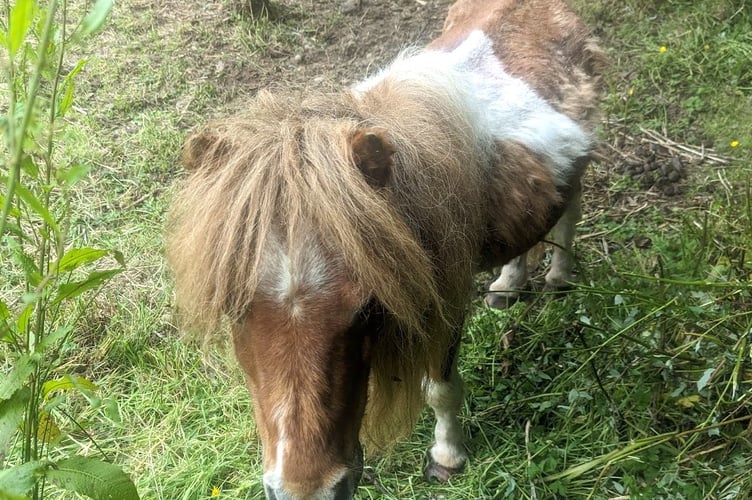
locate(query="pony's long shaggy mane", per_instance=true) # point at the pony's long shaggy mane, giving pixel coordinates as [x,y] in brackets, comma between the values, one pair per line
[284,169]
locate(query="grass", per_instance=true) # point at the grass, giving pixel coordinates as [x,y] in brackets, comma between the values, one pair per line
[637,383]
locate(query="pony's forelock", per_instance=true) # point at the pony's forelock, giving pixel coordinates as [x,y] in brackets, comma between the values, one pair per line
[283,170]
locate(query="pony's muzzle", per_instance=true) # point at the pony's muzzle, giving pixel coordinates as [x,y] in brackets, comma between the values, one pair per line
[344,489]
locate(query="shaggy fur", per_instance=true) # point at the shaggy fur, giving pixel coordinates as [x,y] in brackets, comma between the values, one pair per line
[282,161]
[451,203]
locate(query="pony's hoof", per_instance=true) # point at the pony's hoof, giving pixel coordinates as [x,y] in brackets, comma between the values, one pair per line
[437,473]
[501,300]
[558,289]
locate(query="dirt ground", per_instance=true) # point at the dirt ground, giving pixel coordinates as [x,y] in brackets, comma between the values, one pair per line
[309,44]
[327,45]
[342,41]
[312,45]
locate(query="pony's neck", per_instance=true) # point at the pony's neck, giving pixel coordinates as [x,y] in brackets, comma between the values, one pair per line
[498,106]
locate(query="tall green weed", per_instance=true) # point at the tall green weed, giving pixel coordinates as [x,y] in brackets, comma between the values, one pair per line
[48,281]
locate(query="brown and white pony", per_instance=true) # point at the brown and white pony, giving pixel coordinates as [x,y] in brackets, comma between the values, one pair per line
[338,235]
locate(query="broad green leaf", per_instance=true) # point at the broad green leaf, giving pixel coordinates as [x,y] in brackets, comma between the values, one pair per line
[66,383]
[24,319]
[17,481]
[76,288]
[95,18]
[18,376]
[11,416]
[47,429]
[93,478]
[73,174]
[21,16]
[66,99]
[37,206]
[76,257]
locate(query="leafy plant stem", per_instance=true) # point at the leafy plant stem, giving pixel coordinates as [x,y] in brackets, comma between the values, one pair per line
[17,136]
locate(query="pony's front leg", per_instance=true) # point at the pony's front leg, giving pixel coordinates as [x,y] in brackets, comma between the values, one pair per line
[444,394]
[562,261]
[511,282]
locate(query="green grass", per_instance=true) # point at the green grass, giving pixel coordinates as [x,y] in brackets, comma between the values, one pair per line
[636,384]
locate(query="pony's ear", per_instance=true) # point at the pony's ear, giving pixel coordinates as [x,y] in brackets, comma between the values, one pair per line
[203,149]
[372,152]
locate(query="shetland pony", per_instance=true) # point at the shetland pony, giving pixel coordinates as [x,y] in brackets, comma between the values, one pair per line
[338,235]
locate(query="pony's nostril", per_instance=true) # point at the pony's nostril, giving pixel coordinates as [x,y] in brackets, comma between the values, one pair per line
[345,488]
[269,493]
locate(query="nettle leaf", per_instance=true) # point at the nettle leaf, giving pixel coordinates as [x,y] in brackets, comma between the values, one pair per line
[76,288]
[17,481]
[47,429]
[21,16]
[77,257]
[11,416]
[67,383]
[95,18]
[93,478]
[24,319]
[18,376]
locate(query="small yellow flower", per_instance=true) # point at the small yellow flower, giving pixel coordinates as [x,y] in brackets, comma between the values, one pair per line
[662,49]
[630,92]
[215,491]
[734,144]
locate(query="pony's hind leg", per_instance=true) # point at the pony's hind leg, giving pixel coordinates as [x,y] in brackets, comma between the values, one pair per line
[447,456]
[506,289]
[562,235]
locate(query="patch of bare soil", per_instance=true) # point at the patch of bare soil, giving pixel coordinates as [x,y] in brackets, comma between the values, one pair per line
[343,41]
[306,44]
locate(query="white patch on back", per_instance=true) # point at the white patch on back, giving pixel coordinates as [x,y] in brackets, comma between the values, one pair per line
[498,105]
